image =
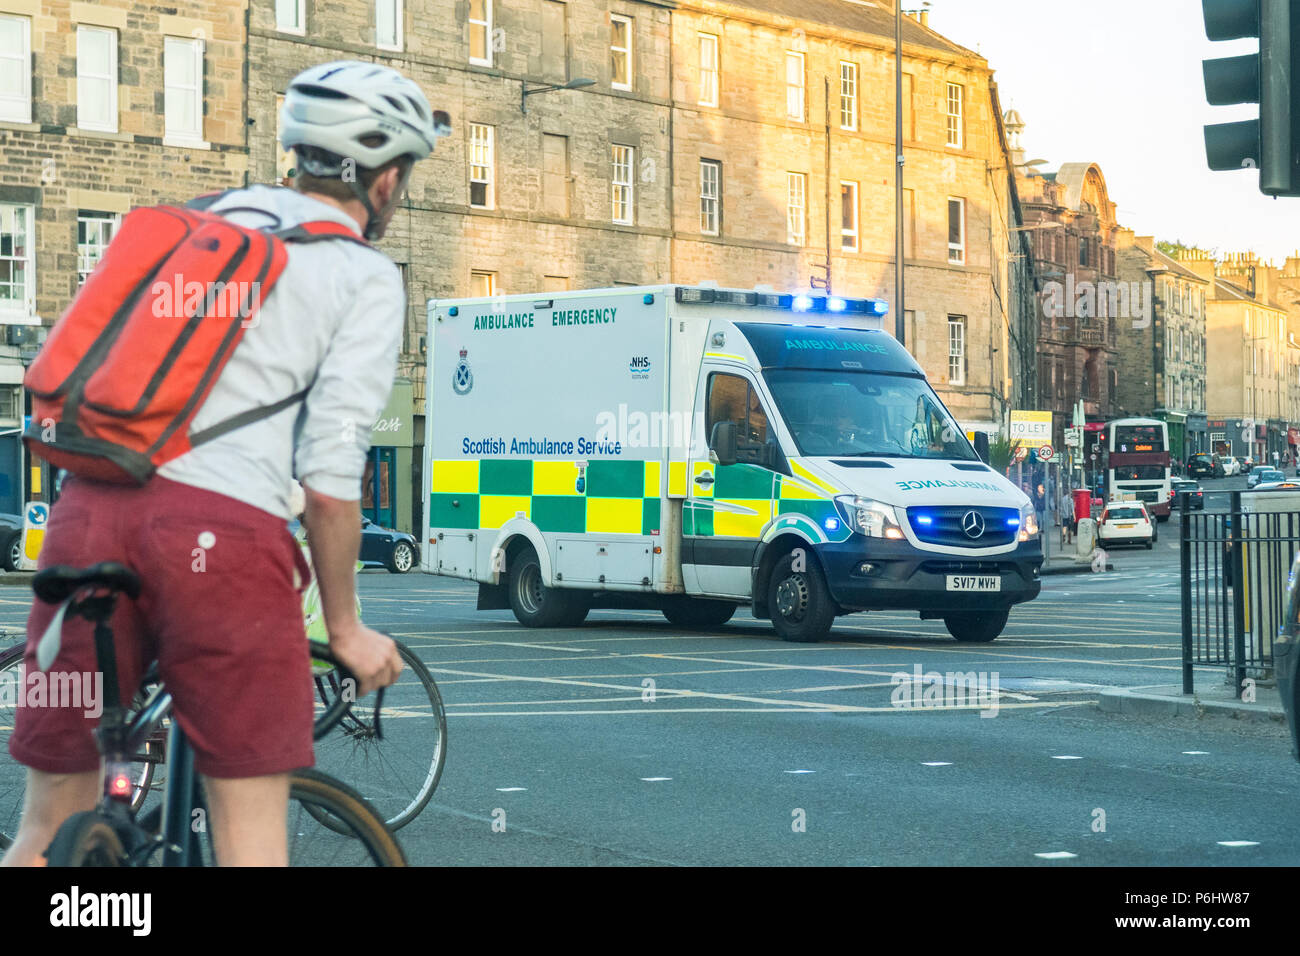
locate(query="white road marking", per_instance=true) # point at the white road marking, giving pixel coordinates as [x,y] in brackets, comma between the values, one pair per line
[1238,843]
[510,789]
[936,763]
[656,779]
[1065,757]
[1056,855]
[1196,753]
[799,771]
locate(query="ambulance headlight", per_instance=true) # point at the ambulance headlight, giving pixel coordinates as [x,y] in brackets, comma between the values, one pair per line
[875,519]
[1028,523]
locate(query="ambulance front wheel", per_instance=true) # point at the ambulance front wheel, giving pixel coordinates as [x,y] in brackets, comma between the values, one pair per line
[798,600]
[536,605]
[977,628]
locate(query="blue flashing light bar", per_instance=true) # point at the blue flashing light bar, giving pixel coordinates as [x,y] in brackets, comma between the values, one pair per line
[800,302]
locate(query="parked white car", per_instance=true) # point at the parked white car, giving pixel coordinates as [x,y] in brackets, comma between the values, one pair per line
[1125,522]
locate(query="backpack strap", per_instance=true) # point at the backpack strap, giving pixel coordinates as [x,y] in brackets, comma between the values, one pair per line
[318,230]
[246,418]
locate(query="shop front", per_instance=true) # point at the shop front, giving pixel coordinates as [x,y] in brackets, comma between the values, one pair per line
[386,488]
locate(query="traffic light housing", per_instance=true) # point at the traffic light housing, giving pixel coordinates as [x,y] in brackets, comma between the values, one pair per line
[1267,143]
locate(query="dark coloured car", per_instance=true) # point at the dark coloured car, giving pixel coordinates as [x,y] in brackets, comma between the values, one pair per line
[1194,496]
[395,550]
[1200,465]
[1286,657]
[11,540]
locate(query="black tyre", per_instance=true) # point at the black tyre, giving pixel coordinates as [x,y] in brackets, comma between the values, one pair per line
[13,551]
[398,772]
[535,604]
[86,839]
[698,612]
[1149,544]
[366,840]
[13,775]
[798,601]
[977,628]
[401,558]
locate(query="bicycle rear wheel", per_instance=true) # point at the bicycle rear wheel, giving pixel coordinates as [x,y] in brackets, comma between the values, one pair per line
[398,773]
[87,839]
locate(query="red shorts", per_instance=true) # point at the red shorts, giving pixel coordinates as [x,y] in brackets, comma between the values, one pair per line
[219,609]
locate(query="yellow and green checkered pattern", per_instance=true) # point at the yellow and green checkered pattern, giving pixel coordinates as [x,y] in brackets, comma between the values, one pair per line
[618,497]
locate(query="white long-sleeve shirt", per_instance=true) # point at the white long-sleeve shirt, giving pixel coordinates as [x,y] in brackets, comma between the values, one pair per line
[335,315]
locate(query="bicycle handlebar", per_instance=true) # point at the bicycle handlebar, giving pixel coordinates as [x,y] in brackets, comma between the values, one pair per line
[342,702]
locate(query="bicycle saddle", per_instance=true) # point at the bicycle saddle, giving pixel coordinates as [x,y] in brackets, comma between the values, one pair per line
[55,584]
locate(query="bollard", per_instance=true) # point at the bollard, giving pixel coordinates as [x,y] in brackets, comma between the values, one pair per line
[1085,539]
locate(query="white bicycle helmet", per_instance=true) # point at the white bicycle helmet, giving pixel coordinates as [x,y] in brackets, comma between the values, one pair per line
[332,109]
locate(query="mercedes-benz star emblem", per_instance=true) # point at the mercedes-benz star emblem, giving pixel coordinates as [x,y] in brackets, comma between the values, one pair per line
[972,522]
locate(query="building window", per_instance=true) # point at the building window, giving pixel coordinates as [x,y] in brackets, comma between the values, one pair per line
[94,232]
[954,115]
[708,69]
[1083,250]
[555,175]
[388,24]
[97,79]
[15,69]
[1060,380]
[796,205]
[291,16]
[956,231]
[183,90]
[848,95]
[480,32]
[620,51]
[956,350]
[481,193]
[482,284]
[17,262]
[794,86]
[710,196]
[621,179]
[849,217]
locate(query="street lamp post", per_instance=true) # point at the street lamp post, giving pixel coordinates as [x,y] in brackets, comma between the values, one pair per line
[525,92]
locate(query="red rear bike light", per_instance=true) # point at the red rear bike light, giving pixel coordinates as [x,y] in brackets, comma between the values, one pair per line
[120,785]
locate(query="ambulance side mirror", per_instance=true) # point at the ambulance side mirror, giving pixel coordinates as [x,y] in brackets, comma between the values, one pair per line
[982,446]
[723,442]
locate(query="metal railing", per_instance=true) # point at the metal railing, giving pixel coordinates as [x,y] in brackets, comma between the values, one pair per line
[1235,565]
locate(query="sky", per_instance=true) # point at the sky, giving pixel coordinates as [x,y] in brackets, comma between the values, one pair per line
[1118,83]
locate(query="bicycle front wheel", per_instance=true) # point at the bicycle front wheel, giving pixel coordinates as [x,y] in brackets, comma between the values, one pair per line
[315,797]
[398,773]
[13,775]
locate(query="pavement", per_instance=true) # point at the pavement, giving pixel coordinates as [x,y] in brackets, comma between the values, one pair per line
[1209,699]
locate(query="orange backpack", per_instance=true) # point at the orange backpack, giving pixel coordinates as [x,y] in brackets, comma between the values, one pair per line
[129,364]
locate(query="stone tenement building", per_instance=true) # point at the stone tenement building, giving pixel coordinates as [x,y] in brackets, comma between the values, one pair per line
[748,143]
[103,106]
[1161,357]
[1071,220]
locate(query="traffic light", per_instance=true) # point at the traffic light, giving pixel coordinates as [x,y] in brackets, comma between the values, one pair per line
[1267,143]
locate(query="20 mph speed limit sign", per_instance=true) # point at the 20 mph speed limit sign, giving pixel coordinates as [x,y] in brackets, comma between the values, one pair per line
[1045,453]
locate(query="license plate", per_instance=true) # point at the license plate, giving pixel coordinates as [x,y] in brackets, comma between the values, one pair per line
[1125,526]
[971,582]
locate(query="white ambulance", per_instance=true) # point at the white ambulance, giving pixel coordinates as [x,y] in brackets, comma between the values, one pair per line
[695,449]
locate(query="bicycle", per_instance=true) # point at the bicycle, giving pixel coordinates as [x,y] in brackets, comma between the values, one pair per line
[111,835]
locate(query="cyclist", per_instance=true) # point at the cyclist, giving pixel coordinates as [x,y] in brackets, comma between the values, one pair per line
[220,608]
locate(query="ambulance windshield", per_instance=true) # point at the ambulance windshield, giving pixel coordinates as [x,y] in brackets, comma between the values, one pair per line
[864,414]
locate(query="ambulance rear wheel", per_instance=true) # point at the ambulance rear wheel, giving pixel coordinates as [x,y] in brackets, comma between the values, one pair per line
[698,612]
[798,601]
[535,604]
